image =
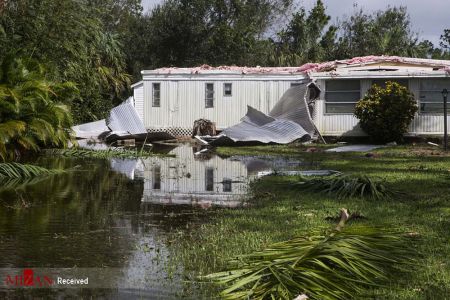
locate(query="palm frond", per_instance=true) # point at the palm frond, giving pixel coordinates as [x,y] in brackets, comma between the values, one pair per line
[346,186]
[340,265]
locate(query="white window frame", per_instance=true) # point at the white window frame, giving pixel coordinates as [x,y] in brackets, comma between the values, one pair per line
[340,102]
[209,100]
[156,99]
[439,92]
[224,89]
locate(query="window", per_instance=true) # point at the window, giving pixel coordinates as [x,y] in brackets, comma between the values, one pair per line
[156,177]
[382,82]
[209,179]
[156,102]
[226,185]
[209,95]
[341,96]
[227,89]
[430,99]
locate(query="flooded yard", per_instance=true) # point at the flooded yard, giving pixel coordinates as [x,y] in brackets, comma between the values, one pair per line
[121,215]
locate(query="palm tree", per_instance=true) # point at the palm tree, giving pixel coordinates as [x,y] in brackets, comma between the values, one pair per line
[31,113]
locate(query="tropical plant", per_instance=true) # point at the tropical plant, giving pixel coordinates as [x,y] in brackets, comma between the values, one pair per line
[31,115]
[78,41]
[384,32]
[338,265]
[385,113]
[306,38]
[345,186]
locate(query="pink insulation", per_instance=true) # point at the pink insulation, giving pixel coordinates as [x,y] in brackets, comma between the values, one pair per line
[310,67]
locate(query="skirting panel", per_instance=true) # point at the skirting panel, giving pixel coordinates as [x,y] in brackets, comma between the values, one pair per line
[175,131]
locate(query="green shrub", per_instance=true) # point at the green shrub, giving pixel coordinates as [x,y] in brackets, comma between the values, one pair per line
[385,113]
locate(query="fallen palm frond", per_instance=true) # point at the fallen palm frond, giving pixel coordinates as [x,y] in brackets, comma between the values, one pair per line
[24,171]
[109,153]
[345,186]
[340,265]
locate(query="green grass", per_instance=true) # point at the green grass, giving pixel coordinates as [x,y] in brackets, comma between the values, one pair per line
[421,173]
[280,150]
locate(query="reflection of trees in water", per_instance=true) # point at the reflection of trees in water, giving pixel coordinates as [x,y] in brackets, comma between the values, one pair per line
[92,217]
[71,218]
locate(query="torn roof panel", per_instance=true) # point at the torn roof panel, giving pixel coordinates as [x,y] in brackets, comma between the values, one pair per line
[124,118]
[289,120]
[90,130]
[306,68]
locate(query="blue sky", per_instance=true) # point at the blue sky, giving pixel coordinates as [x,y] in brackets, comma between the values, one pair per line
[428,17]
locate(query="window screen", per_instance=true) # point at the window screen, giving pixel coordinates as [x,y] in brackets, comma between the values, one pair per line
[227,89]
[342,95]
[209,95]
[430,98]
[156,95]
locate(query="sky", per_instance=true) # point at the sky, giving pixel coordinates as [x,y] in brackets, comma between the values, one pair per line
[429,18]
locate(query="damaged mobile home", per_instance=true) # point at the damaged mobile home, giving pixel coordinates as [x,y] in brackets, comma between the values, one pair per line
[171,99]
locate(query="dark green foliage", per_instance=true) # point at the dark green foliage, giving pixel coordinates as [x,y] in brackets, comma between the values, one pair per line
[336,266]
[385,113]
[346,186]
[304,39]
[31,113]
[72,39]
[385,32]
[190,33]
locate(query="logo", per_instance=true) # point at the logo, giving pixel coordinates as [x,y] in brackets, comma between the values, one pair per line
[28,279]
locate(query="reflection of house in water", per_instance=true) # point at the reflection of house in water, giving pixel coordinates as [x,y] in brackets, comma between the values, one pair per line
[186,179]
[204,179]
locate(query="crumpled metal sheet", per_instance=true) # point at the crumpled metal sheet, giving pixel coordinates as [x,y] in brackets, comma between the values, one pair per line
[289,120]
[90,130]
[124,118]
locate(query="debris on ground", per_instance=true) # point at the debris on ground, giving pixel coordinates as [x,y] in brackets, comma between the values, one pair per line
[299,173]
[123,123]
[203,127]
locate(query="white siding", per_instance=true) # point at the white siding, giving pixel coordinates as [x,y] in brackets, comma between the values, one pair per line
[347,124]
[138,95]
[183,101]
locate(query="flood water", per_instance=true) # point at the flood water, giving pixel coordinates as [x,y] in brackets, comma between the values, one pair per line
[118,215]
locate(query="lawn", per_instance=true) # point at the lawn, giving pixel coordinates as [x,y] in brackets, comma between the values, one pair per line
[420,172]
